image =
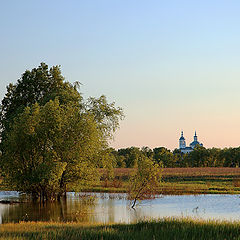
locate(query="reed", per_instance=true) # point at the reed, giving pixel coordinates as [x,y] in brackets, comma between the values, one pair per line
[168,228]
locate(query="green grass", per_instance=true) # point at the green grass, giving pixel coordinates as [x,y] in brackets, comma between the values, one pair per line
[179,229]
[174,186]
[201,185]
[181,185]
[176,181]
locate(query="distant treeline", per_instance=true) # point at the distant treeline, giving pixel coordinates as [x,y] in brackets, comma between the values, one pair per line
[199,157]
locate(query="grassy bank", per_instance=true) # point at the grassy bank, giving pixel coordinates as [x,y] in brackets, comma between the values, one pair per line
[162,229]
[180,181]
[175,181]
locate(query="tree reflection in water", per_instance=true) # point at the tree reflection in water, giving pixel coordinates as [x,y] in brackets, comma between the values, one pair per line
[115,208]
[75,208]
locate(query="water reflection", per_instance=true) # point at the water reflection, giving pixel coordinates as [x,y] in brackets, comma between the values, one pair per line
[75,208]
[112,208]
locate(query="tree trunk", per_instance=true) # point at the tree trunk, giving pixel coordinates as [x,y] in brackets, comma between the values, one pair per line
[62,185]
[134,203]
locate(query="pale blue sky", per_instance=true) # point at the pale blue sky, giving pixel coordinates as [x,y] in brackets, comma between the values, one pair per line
[172,65]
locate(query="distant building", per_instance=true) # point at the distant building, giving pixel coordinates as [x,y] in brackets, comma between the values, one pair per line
[182,144]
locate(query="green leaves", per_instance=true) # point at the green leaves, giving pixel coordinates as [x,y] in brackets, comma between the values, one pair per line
[106,115]
[145,182]
[46,141]
[51,138]
[39,85]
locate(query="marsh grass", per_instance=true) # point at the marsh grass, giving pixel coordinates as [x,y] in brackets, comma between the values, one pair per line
[166,229]
[180,181]
[175,181]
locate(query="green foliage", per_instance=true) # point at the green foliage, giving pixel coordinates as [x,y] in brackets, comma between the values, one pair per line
[167,229]
[131,156]
[39,85]
[52,138]
[147,152]
[128,157]
[213,157]
[105,114]
[164,156]
[107,160]
[47,148]
[199,157]
[145,182]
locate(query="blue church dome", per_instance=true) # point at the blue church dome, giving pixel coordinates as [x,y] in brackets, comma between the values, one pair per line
[195,141]
[182,137]
[184,148]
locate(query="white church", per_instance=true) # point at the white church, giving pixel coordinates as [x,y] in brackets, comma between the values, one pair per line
[182,144]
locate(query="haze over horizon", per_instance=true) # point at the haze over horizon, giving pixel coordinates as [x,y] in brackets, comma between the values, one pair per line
[171,65]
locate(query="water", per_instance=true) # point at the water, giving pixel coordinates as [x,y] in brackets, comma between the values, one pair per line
[114,208]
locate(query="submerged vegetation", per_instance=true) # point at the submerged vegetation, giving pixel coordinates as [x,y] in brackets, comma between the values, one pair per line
[145,181]
[166,229]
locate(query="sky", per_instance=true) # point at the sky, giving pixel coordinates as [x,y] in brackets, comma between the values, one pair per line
[171,65]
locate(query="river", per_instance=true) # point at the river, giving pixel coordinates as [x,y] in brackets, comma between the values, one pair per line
[115,208]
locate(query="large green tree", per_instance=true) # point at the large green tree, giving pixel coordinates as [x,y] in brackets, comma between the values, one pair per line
[39,85]
[50,137]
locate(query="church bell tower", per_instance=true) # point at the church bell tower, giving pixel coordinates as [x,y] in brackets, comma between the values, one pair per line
[195,137]
[182,143]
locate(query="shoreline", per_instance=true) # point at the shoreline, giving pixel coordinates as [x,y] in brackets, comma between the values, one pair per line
[175,181]
[167,228]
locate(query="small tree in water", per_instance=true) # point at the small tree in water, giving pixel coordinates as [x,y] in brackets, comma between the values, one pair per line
[146,181]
